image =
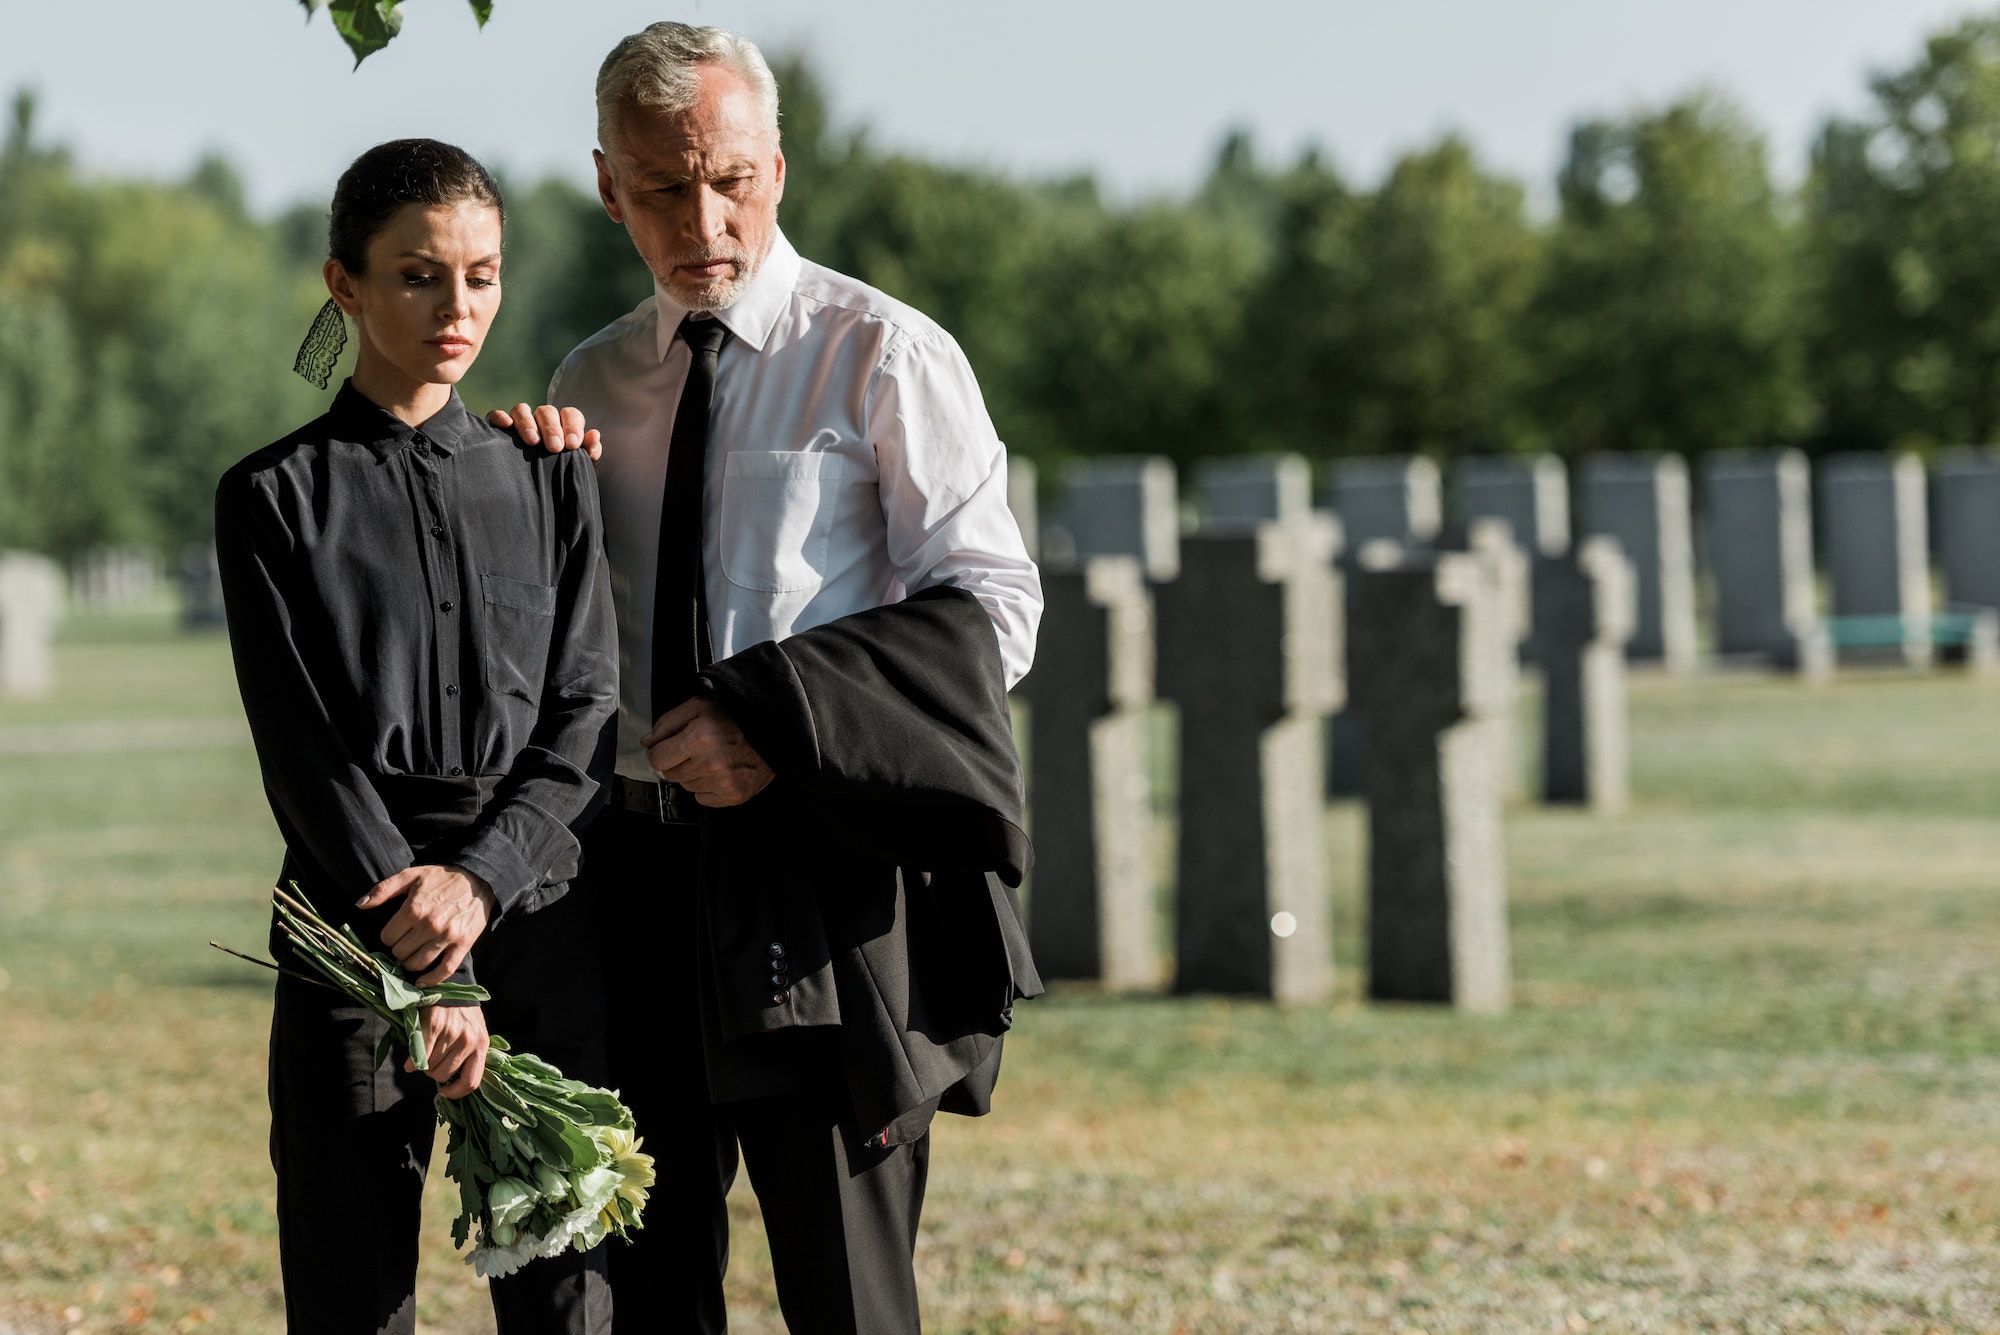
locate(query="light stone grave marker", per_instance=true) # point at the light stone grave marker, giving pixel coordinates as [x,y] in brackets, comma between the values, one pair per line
[1247,652]
[1641,499]
[1419,668]
[1583,617]
[1091,909]
[1758,522]
[1021,482]
[1120,505]
[1529,491]
[31,603]
[1393,498]
[1877,554]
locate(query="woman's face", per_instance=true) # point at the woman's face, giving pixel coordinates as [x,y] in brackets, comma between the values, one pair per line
[429,291]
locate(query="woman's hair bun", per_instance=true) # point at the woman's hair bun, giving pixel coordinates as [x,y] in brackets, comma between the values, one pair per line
[389,176]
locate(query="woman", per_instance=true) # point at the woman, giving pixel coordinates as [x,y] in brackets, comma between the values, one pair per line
[423,637]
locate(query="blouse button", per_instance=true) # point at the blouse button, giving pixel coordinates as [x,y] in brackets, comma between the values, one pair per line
[444,607]
[437,530]
[456,771]
[451,690]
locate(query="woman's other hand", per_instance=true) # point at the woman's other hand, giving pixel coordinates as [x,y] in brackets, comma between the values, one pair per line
[558,429]
[455,1037]
[444,910]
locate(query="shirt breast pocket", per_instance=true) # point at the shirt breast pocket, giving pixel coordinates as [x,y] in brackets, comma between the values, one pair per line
[519,619]
[777,518]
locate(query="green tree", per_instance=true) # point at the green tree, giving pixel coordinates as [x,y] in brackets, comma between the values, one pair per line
[1391,322]
[1668,315]
[1901,208]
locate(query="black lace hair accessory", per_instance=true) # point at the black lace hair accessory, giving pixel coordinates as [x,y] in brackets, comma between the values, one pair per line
[324,344]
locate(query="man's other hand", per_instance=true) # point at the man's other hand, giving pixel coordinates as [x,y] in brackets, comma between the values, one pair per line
[455,1044]
[444,910]
[698,746]
[558,428]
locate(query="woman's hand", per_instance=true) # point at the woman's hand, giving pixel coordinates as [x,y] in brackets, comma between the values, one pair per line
[554,429]
[455,1039]
[445,909]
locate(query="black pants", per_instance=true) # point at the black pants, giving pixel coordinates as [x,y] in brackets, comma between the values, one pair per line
[841,1217]
[352,1143]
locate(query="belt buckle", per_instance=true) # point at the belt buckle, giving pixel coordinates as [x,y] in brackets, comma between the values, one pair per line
[676,804]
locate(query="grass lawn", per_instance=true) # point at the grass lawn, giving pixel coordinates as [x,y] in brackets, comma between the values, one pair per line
[1752,1081]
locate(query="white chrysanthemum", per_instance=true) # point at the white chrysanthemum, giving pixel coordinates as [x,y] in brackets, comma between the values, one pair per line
[592,1192]
[489,1260]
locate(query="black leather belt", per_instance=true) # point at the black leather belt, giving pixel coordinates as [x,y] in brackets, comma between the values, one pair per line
[667,803]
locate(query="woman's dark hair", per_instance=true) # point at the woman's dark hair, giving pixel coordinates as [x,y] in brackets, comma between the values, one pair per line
[389,176]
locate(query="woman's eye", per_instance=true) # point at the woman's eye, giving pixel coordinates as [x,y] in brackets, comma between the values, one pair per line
[418,279]
[482,282]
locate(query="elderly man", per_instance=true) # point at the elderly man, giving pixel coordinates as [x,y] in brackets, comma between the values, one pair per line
[821,599]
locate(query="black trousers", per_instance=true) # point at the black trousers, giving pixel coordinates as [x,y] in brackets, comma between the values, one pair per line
[841,1217]
[352,1143]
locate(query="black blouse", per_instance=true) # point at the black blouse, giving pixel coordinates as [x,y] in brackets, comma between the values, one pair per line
[421,621]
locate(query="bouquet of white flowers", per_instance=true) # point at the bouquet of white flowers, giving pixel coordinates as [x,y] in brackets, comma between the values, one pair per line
[542,1162]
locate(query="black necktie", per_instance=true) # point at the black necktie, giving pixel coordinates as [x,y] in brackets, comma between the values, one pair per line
[680,610]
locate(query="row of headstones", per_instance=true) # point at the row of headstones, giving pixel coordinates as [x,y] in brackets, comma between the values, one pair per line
[1262,625]
[1759,548]
[33,594]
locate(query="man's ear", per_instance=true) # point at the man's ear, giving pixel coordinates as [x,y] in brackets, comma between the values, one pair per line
[607,189]
[341,286]
[778,176]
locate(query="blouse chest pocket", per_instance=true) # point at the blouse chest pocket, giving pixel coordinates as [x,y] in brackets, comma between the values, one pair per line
[519,619]
[777,518]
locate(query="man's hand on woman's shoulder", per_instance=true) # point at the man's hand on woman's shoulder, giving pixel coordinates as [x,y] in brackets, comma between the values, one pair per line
[557,428]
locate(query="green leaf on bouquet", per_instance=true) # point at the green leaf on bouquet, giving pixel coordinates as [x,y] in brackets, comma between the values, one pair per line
[495,1042]
[399,994]
[385,1047]
[482,10]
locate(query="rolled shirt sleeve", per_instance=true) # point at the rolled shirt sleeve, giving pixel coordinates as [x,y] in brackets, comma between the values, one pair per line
[943,485]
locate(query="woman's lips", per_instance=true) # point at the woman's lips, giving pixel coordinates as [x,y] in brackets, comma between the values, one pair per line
[450,346]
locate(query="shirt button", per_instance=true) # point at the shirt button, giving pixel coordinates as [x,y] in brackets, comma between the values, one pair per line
[444,607]
[451,690]
[418,438]
[437,530]
[456,771]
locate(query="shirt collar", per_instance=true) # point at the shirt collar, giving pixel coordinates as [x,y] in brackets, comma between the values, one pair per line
[752,316]
[363,420]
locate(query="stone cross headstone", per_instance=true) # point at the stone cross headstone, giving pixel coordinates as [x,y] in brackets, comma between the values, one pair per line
[1758,520]
[1021,480]
[201,588]
[1529,491]
[1419,671]
[1091,904]
[1968,515]
[1584,602]
[1247,652]
[1877,545]
[1394,498]
[1120,505]
[1504,568]
[31,603]
[1641,499]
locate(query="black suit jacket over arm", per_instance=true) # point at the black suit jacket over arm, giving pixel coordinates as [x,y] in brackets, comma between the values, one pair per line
[882,861]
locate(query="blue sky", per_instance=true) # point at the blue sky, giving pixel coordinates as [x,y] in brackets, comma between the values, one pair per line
[1140,94]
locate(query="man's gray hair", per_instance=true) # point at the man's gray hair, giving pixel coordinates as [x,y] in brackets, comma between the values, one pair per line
[661,67]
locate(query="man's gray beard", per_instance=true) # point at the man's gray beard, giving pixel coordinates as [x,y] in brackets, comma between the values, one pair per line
[719,299]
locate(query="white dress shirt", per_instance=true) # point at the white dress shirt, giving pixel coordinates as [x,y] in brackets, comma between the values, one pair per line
[850,463]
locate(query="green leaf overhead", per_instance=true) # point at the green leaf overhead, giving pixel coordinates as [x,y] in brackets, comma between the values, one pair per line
[365,25]
[482,10]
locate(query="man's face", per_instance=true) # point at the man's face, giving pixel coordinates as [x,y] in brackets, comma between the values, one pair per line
[698,190]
